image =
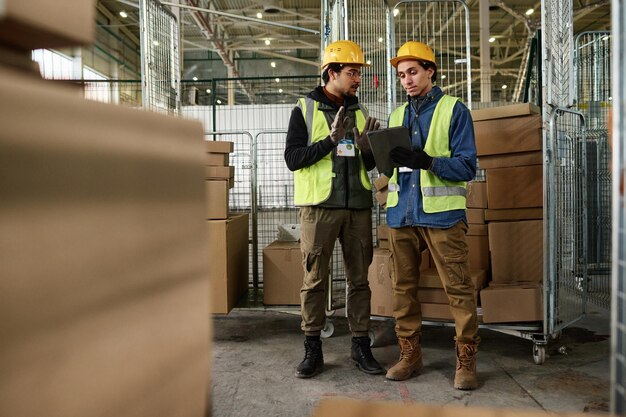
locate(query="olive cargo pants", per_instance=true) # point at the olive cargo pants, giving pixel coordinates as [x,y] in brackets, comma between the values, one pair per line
[320,228]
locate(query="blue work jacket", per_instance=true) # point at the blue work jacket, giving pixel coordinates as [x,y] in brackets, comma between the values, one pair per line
[461,166]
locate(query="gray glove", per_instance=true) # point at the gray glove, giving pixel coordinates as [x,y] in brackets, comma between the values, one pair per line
[339,126]
[361,139]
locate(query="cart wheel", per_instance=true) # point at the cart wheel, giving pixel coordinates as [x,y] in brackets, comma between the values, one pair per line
[539,354]
[330,313]
[329,329]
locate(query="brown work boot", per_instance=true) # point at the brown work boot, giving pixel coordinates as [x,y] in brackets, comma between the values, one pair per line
[410,359]
[465,377]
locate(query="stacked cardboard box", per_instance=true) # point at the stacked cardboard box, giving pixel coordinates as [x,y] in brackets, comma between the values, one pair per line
[282,273]
[509,148]
[380,185]
[104,256]
[477,234]
[219,178]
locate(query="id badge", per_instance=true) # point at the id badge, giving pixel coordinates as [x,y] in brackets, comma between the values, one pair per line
[346,148]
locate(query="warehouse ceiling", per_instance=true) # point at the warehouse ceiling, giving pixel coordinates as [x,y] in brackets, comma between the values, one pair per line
[232,40]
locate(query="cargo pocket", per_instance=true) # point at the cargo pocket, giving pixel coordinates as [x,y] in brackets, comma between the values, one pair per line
[457,269]
[312,263]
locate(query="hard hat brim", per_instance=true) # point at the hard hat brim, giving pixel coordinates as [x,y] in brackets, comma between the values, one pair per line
[323,66]
[395,61]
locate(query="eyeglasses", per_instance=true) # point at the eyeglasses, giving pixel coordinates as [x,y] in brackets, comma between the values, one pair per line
[354,74]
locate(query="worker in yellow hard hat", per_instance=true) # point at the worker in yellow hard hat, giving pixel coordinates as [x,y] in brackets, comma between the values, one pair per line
[442,160]
[328,152]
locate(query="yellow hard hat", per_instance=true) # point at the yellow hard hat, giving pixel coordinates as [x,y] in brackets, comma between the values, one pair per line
[343,52]
[414,50]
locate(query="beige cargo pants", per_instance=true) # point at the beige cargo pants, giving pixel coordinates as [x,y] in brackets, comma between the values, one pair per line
[320,228]
[450,253]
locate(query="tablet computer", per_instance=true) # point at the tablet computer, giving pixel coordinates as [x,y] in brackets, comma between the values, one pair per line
[382,141]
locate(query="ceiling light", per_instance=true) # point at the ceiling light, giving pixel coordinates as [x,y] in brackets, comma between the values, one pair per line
[259,15]
[277,80]
[492,39]
[396,12]
[605,38]
[529,12]
[504,86]
[369,62]
[155,43]
[280,90]
[271,6]
[195,78]
[273,64]
[267,41]
[380,39]
[219,101]
[208,90]
[443,77]
[123,14]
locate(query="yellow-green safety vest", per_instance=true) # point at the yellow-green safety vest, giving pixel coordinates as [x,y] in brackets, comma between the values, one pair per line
[313,184]
[438,195]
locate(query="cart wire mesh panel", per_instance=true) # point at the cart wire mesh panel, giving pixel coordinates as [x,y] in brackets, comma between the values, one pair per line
[565,224]
[444,26]
[160,71]
[618,298]
[592,65]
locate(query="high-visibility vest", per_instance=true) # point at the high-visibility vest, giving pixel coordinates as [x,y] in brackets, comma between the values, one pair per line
[438,195]
[313,184]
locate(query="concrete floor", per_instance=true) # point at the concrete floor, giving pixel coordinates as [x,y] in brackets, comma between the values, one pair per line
[256,352]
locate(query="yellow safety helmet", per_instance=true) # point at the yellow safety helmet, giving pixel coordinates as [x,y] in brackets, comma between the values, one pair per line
[414,50]
[343,52]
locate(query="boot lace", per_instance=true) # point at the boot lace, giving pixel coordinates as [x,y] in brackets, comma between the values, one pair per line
[310,351]
[364,350]
[466,356]
[407,347]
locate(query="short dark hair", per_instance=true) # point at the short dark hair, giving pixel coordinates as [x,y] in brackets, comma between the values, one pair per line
[426,65]
[333,66]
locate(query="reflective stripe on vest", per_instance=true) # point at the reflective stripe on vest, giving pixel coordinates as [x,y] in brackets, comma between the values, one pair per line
[438,194]
[313,184]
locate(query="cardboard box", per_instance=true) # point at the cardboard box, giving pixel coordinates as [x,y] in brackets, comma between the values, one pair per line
[104,256]
[381,197]
[509,135]
[514,214]
[382,231]
[218,159]
[511,160]
[436,311]
[516,251]
[381,182]
[512,304]
[476,194]
[218,172]
[475,216]
[477,230]
[517,187]
[383,244]
[283,273]
[379,276]
[501,112]
[38,24]
[478,251]
[216,199]
[219,146]
[344,407]
[432,295]
[228,260]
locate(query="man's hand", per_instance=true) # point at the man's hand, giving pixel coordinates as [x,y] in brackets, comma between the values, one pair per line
[339,126]
[361,139]
[411,159]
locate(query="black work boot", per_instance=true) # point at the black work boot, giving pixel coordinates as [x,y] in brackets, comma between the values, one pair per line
[313,361]
[363,358]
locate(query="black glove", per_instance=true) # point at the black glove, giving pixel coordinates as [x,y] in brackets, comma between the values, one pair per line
[411,159]
[371,124]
